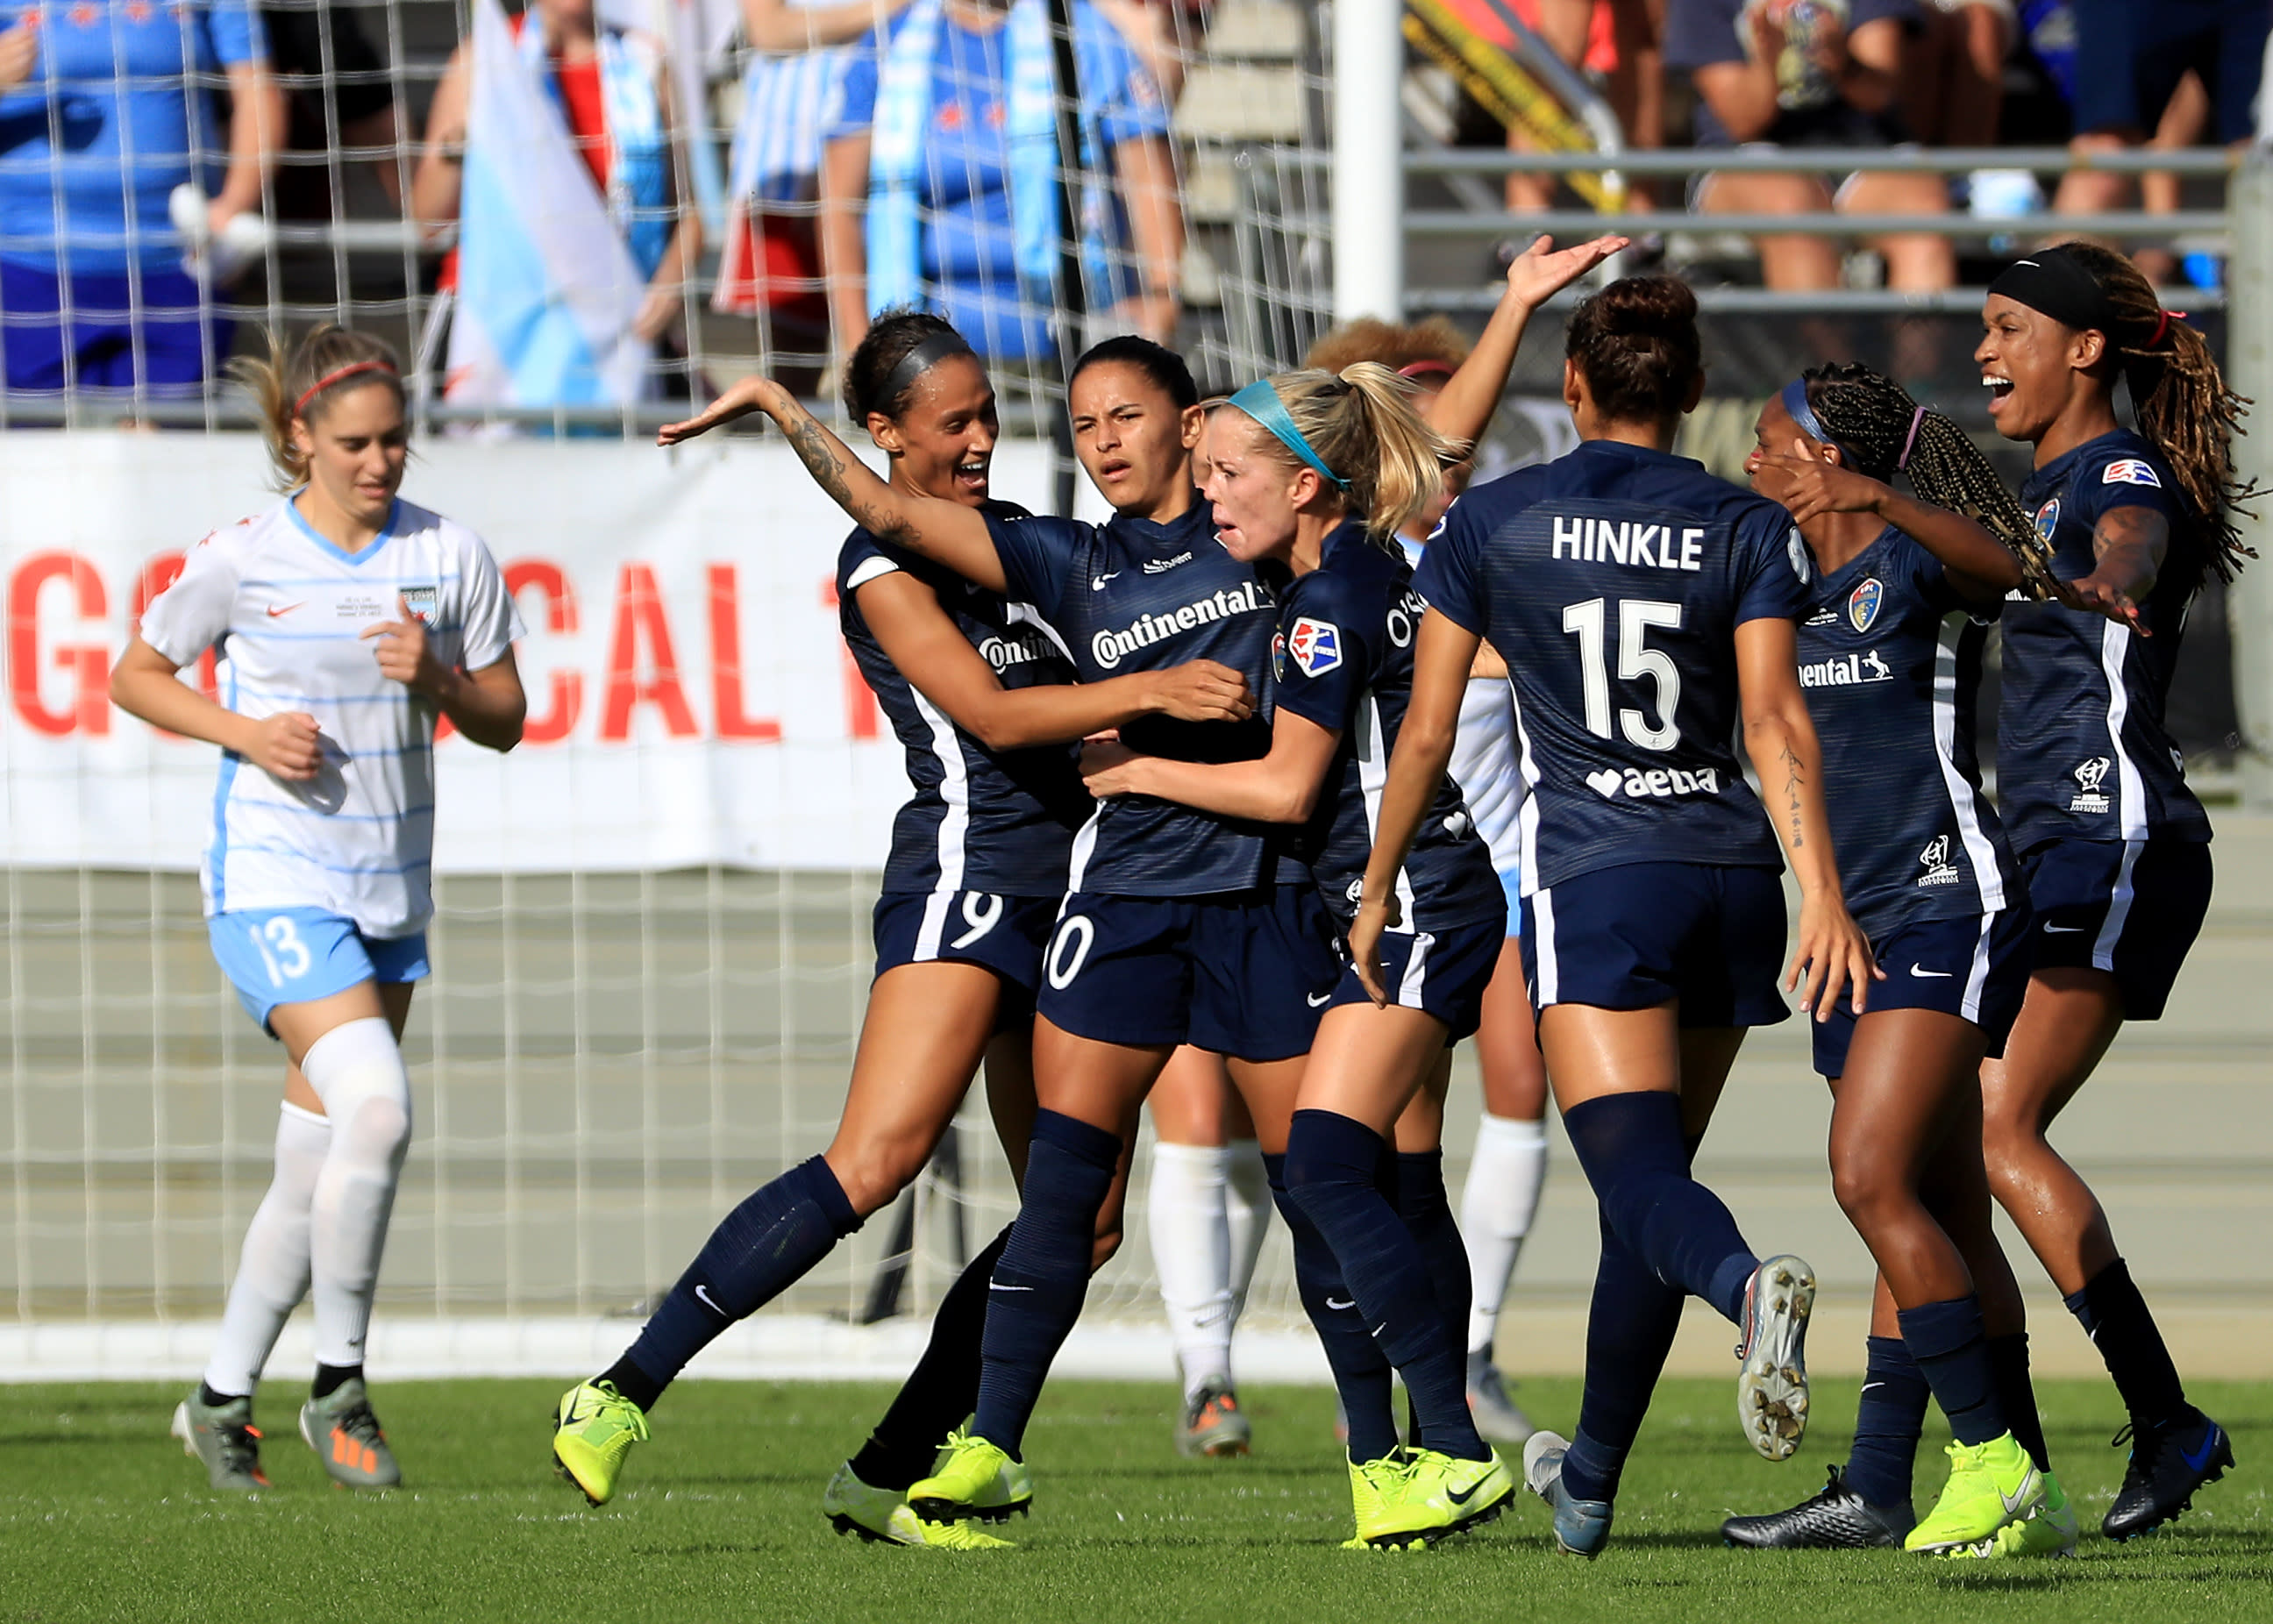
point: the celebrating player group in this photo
(1243, 778)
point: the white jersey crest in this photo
(286, 610)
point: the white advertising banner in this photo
(690, 700)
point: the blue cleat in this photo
(1582, 1527)
(2168, 1464)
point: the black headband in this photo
(2055, 283)
(913, 365)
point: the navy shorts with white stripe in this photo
(1976, 968)
(1643, 934)
(2131, 907)
(1441, 973)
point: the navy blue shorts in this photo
(2130, 907)
(1245, 974)
(1975, 968)
(1647, 934)
(159, 345)
(1005, 934)
(1441, 973)
(2132, 54)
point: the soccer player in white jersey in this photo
(348, 622)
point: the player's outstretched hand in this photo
(1105, 767)
(404, 654)
(1374, 919)
(287, 746)
(1542, 269)
(1203, 691)
(1832, 955)
(2095, 596)
(754, 393)
(1809, 487)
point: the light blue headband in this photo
(1795, 402)
(1260, 401)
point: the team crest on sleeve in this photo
(1863, 604)
(423, 602)
(1796, 550)
(1315, 645)
(2130, 471)
(2048, 519)
(1278, 657)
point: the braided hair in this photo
(1883, 431)
(2183, 402)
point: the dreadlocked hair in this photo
(1362, 423)
(1870, 416)
(2183, 403)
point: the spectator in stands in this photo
(2131, 65)
(613, 93)
(798, 52)
(336, 95)
(1953, 72)
(105, 113)
(1800, 73)
(1618, 40)
(949, 128)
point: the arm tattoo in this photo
(817, 449)
(1794, 780)
(2133, 541)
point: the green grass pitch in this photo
(103, 1518)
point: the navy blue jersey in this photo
(1343, 658)
(1614, 578)
(2081, 751)
(1891, 661)
(1132, 596)
(1001, 821)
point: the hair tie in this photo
(300, 406)
(2162, 320)
(1260, 401)
(1427, 368)
(1909, 439)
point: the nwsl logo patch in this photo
(1863, 604)
(2130, 471)
(1315, 645)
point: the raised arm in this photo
(933, 654)
(946, 533)
(1780, 737)
(1464, 409)
(1281, 787)
(1443, 656)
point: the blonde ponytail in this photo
(297, 387)
(1362, 423)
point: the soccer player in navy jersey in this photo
(978, 861)
(2114, 848)
(1178, 925)
(1649, 602)
(1907, 589)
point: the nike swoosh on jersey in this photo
(1330, 1303)
(1097, 582)
(1924, 973)
(275, 609)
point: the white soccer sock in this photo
(1246, 1215)
(356, 1070)
(272, 1266)
(1496, 1206)
(1191, 1255)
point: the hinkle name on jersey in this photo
(1108, 647)
(1659, 785)
(1845, 670)
(1940, 870)
(1647, 546)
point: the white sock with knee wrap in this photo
(1497, 1207)
(272, 1266)
(1246, 1215)
(1191, 1255)
(356, 1070)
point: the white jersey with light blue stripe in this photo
(287, 610)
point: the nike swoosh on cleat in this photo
(702, 1295)
(2209, 1449)
(1932, 974)
(1461, 1497)
(2014, 1502)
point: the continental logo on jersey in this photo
(1940, 870)
(1024, 649)
(2090, 797)
(1846, 671)
(2048, 519)
(1316, 645)
(1663, 783)
(1863, 604)
(424, 602)
(1109, 648)
(2130, 471)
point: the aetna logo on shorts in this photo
(1002, 653)
(1661, 783)
(1109, 648)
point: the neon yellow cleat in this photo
(1378, 1491)
(876, 1514)
(1991, 1485)
(594, 1431)
(2051, 1533)
(968, 1481)
(1012, 1493)
(1455, 1495)
(962, 1536)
